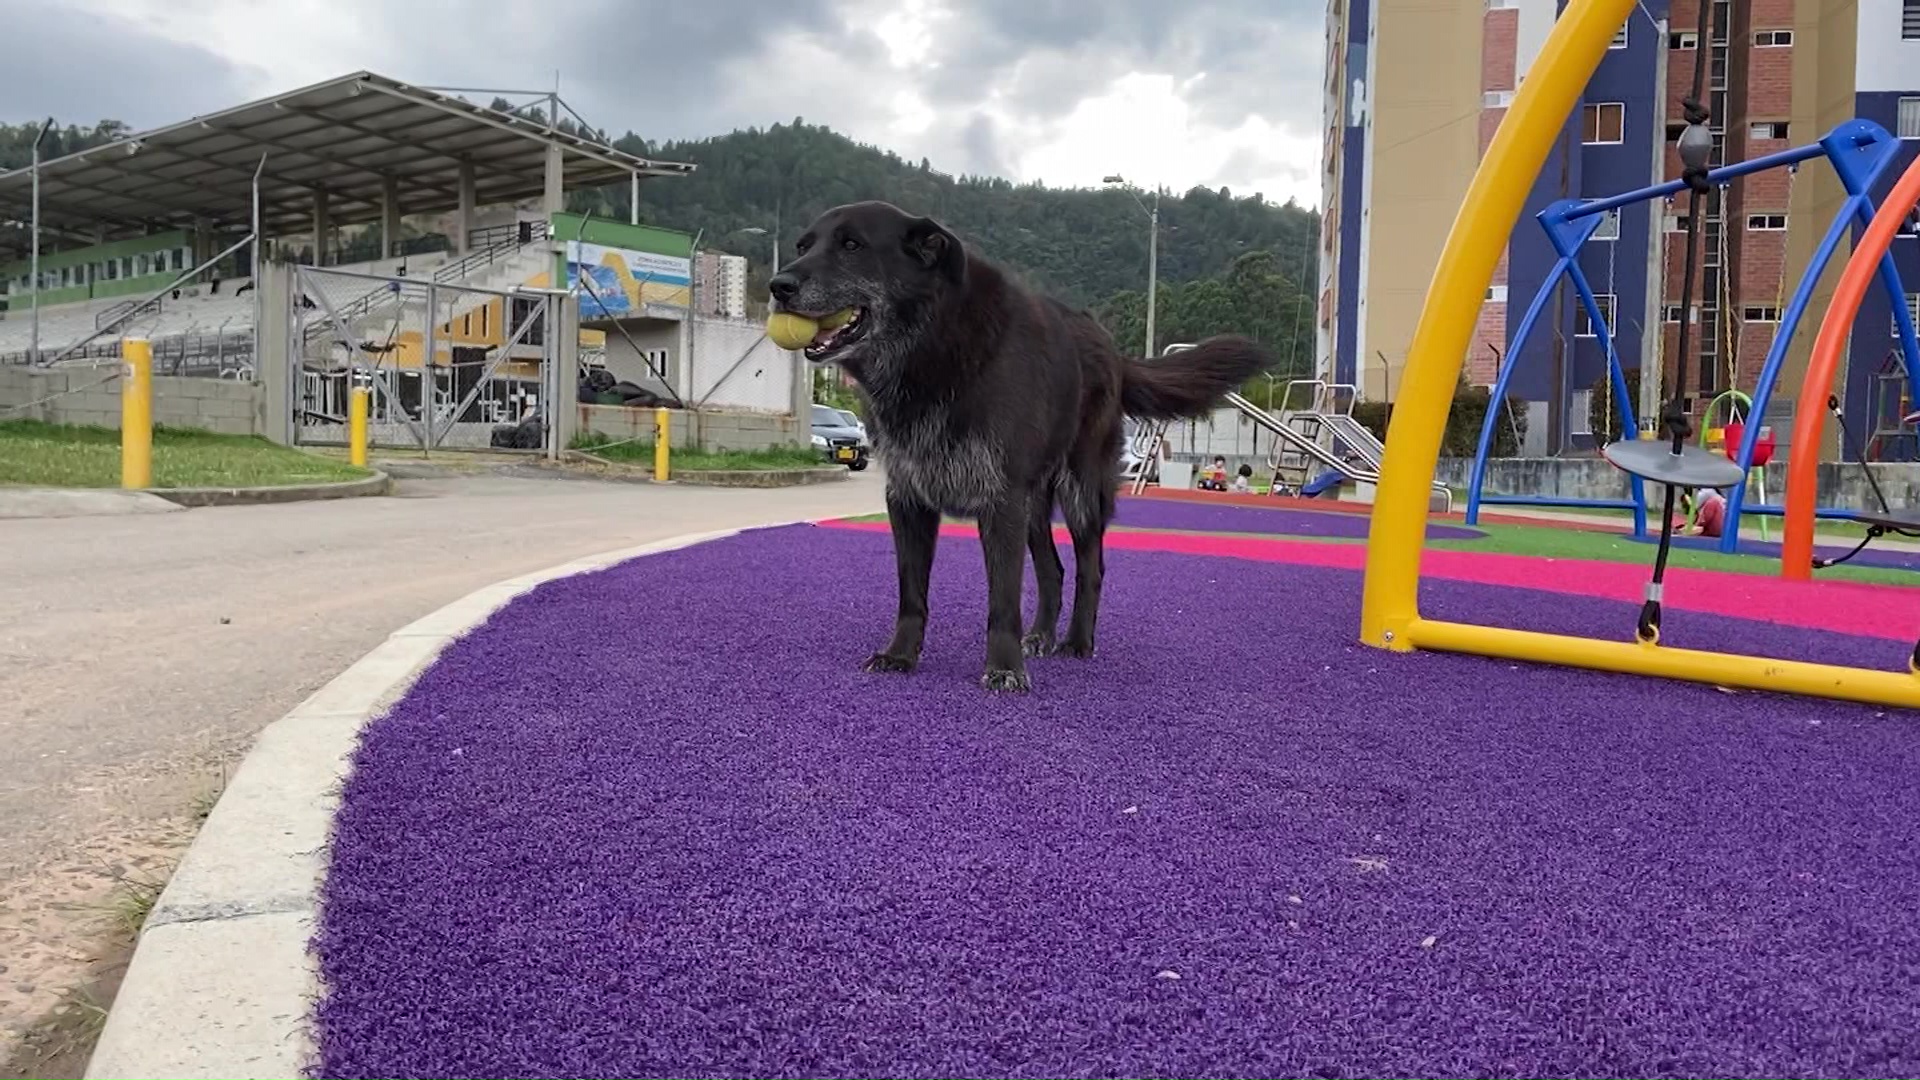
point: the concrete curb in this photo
(25, 503)
(221, 983)
(377, 484)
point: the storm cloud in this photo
(1222, 94)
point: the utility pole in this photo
(1153, 252)
(1153, 266)
(33, 284)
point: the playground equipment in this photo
(1796, 550)
(1322, 433)
(1390, 611)
(1859, 152)
(1728, 438)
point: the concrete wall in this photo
(1842, 484)
(1422, 149)
(734, 364)
(708, 430)
(219, 405)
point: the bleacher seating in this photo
(199, 311)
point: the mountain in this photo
(1227, 263)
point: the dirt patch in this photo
(67, 932)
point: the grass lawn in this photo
(641, 453)
(56, 455)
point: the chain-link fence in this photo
(449, 366)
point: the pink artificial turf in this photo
(1842, 606)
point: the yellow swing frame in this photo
(1389, 608)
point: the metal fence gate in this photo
(449, 366)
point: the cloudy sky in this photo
(1225, 92)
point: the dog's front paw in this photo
(1079, 650)
(1003, 679)
(888, 664)
(1037, 644)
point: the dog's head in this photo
(889, 268)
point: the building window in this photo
(1677, 223)
(1609, 227)
(1497, 294)
(1671, 313)
(1603, 123)
(1583, 324)
(1907, 121)
(1913, 312)
(1768, 313)
(1772, 39)
(1686, 39)
(1496, 99)
(1620, 36)
(1766, 222)
(1767, 129)
(1502, 5)
(1909, 20)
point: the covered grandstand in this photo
(152, 233)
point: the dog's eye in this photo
(850, 244)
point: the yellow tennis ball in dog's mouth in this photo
(790, 331)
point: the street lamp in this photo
(773, 240)
(1153, 250)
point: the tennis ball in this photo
(790, 331)
(838, 319)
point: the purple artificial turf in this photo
(654, 822)
(1150, 513)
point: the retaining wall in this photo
(226, 406)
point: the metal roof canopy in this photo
(346, 137)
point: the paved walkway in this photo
(140, 654)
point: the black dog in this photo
(987, 401)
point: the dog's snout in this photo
(783, 286)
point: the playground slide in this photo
(1355, 434)
(1317, 452)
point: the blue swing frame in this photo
(1859, 151)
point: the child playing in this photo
(1215, 476)
(1712, 514)
(1243, 480)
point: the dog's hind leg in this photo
(1048, 575)
(1088, 507)
(916, 529)
(1003, 530)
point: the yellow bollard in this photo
(136, 414)
(662, 445)
(358, 402)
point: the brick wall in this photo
(224, 406)
(1499, 48)
(1499, 59)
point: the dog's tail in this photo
(1189, 383)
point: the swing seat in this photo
(1656, 461)
(1763, 446)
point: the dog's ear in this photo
(937, 248)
